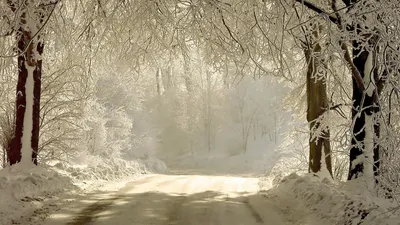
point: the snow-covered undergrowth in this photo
(348, 203)
(29, 194)
(109, 169)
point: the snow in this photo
(324, 173)
(368, 153)
(26, 151)
(335, 203)
(29, 194)
(218, 128)
(368, 81)
(99, 171)
(184, 199)
(23, 191)
(367, 157)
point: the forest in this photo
(294, 101)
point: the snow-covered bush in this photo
(98, 168)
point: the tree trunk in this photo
(188, 74)
(364, 152)
(37, 79)
(317, 104)
(24, 145)
(158, 81)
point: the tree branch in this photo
(318, 10)
(353, 69)
(12, 4)
(229, 30)
(36, 34)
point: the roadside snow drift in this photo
(23, 190)
(348, 203)
(29, 194)
(110, 169)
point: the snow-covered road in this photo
(183, 200)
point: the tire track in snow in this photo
(253, 212)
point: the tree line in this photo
(341, 54)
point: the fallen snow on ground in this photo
(348, 203)
(185, 200)
(23, 191)
(99, 170)
(28, 195)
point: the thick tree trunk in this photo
(25, 142)
(16, 145)
(317, 104)
(364, 152)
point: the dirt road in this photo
(178, 200)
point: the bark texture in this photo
(30, 50)
(317, 104)
(362, 104)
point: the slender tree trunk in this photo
(158, 81)
(166, 77)
(37, 78)
(226, 74)
(188, 74)
(189, 98)
(377, 159)
(317, 104)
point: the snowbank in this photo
(99, 170)
(348, 203)
(23, 190)
(107, 170)
(28, 194)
